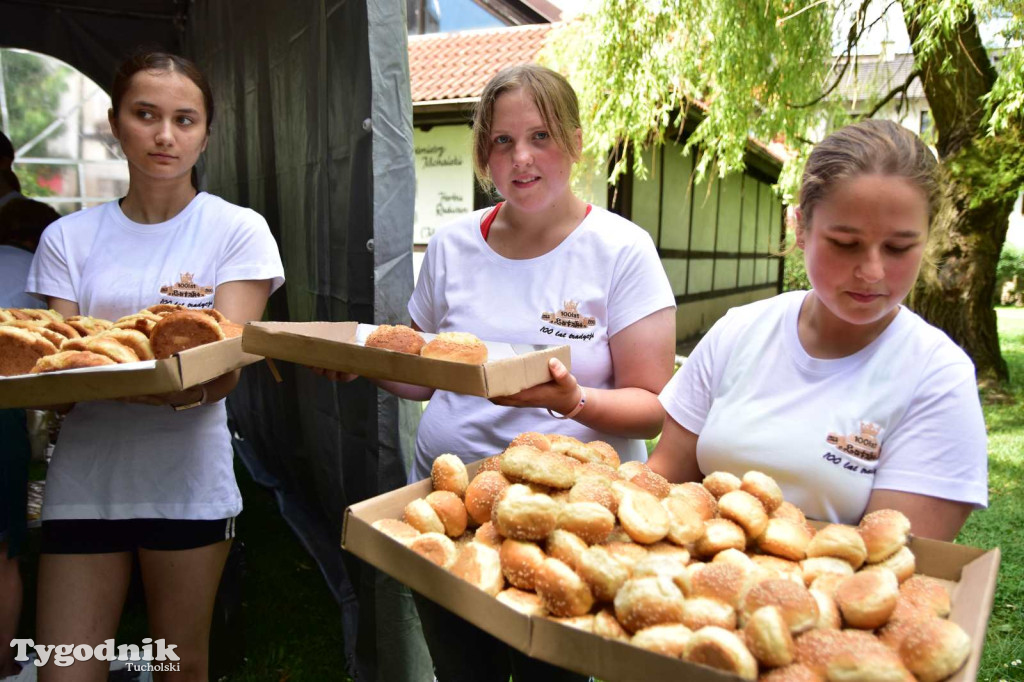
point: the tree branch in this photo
(916, 73)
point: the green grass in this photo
(1001, 525)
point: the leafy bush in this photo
(794, 274)
(1011, 264)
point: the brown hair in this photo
(554, 97)
(868, 147)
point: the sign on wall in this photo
(444, 178)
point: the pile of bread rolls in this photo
(36, 341)
(452, 346)
(725, 573)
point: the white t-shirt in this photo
(14, 265)
(603, 277)
(116, 460)
(900, 414)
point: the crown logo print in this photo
(186, 278)
(570, 306)
(869, 429)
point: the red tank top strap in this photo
(485, 224)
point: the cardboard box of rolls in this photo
(611, 571)
(451, 361)
(48, 360)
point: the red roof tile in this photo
(447, 66)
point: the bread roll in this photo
(527, 603)
(456, 347)
(593, 488)
(646, 601)
(522, 514)
(563, 592)
(722, 649)
(784, 538)
(719, 535)
(480, 566)
(451, 510)
(399, 338)
(820, 565)
(449, 473)
(533, 439)
(866, 599)
(764, 488)
(574, 448)
(399, 530)
(608, 626)
(768, 637)
(20, 349)
(435, 547)
(841, 542)
(703, 502)
(608, 454)
(927, 593)
(526, 463)
(602, 572)
(667, 640)
(565, 546)
(520, 561)
(481, 494)
(588, 520)
(719, 483)
(700, 612)
(793, 600)
(902, 563)
(746, 510)
(643, 517)
(183, 330)
(884, 531)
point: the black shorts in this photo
(101, 536)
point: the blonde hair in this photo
(868, 147)
(554, 97)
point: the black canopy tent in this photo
(313, 129)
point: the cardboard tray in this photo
(151, 377)
(334, 345)
(972, 574)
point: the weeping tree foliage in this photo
(771, 68)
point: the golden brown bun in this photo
(602, 572)
(527, 463)
(643, 517)
(231, 330)
(449, 473)
(817, 566)
(817, 648)
(436, 548)
(132, 338)
(902, 563)
(792, 673)
(527, 603)
(480, 566)
(828, 583)
(533, 439)
(784, 538)
(685, 525)
(183, 330)
(719, 535)
(866, 599)
(744, 509)
(798, 607)
(214, 313)
(884, 532)
(20, 349)
(895, 631)
(482, 493)
(841, 542)
(398, 338)
(764, 488)
(112, 348)
(86, 326)
(589, 520)
(594, 488)
(450, 509)
(488, 535)
(574, 448)
(642, 476)
(873, 664)
(770, 566)
(421, 515)
(399, 530)
(72, 359)
(490, 464)
(61, 328)
(36, 327)
(456, 347)
(143, 322)
(564, 593)
(667, 640)
(162, 309)
(663, 565)
(608, 626)
(768, 637)
(584, 622)
(667, 549)
(608, 454)
(649, 600)
(697, 496)
(627, 552)
(726, 582)
(701, 612)
(927, 593)
(565, 546)
(520, 561)
(719, 483)
(523, 514)
(829, 617)
(721, 649)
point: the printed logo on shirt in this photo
(186, 288)
(570, 317)
(863, 445)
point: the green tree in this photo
(33, 88)
(768, 68)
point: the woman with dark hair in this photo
(153, 476)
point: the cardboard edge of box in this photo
(185, 369)
(330, 345)
(974, 570)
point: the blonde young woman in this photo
(150, 478)
(850, 400)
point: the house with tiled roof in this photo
(718, 238)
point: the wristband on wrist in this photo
(576, 410)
